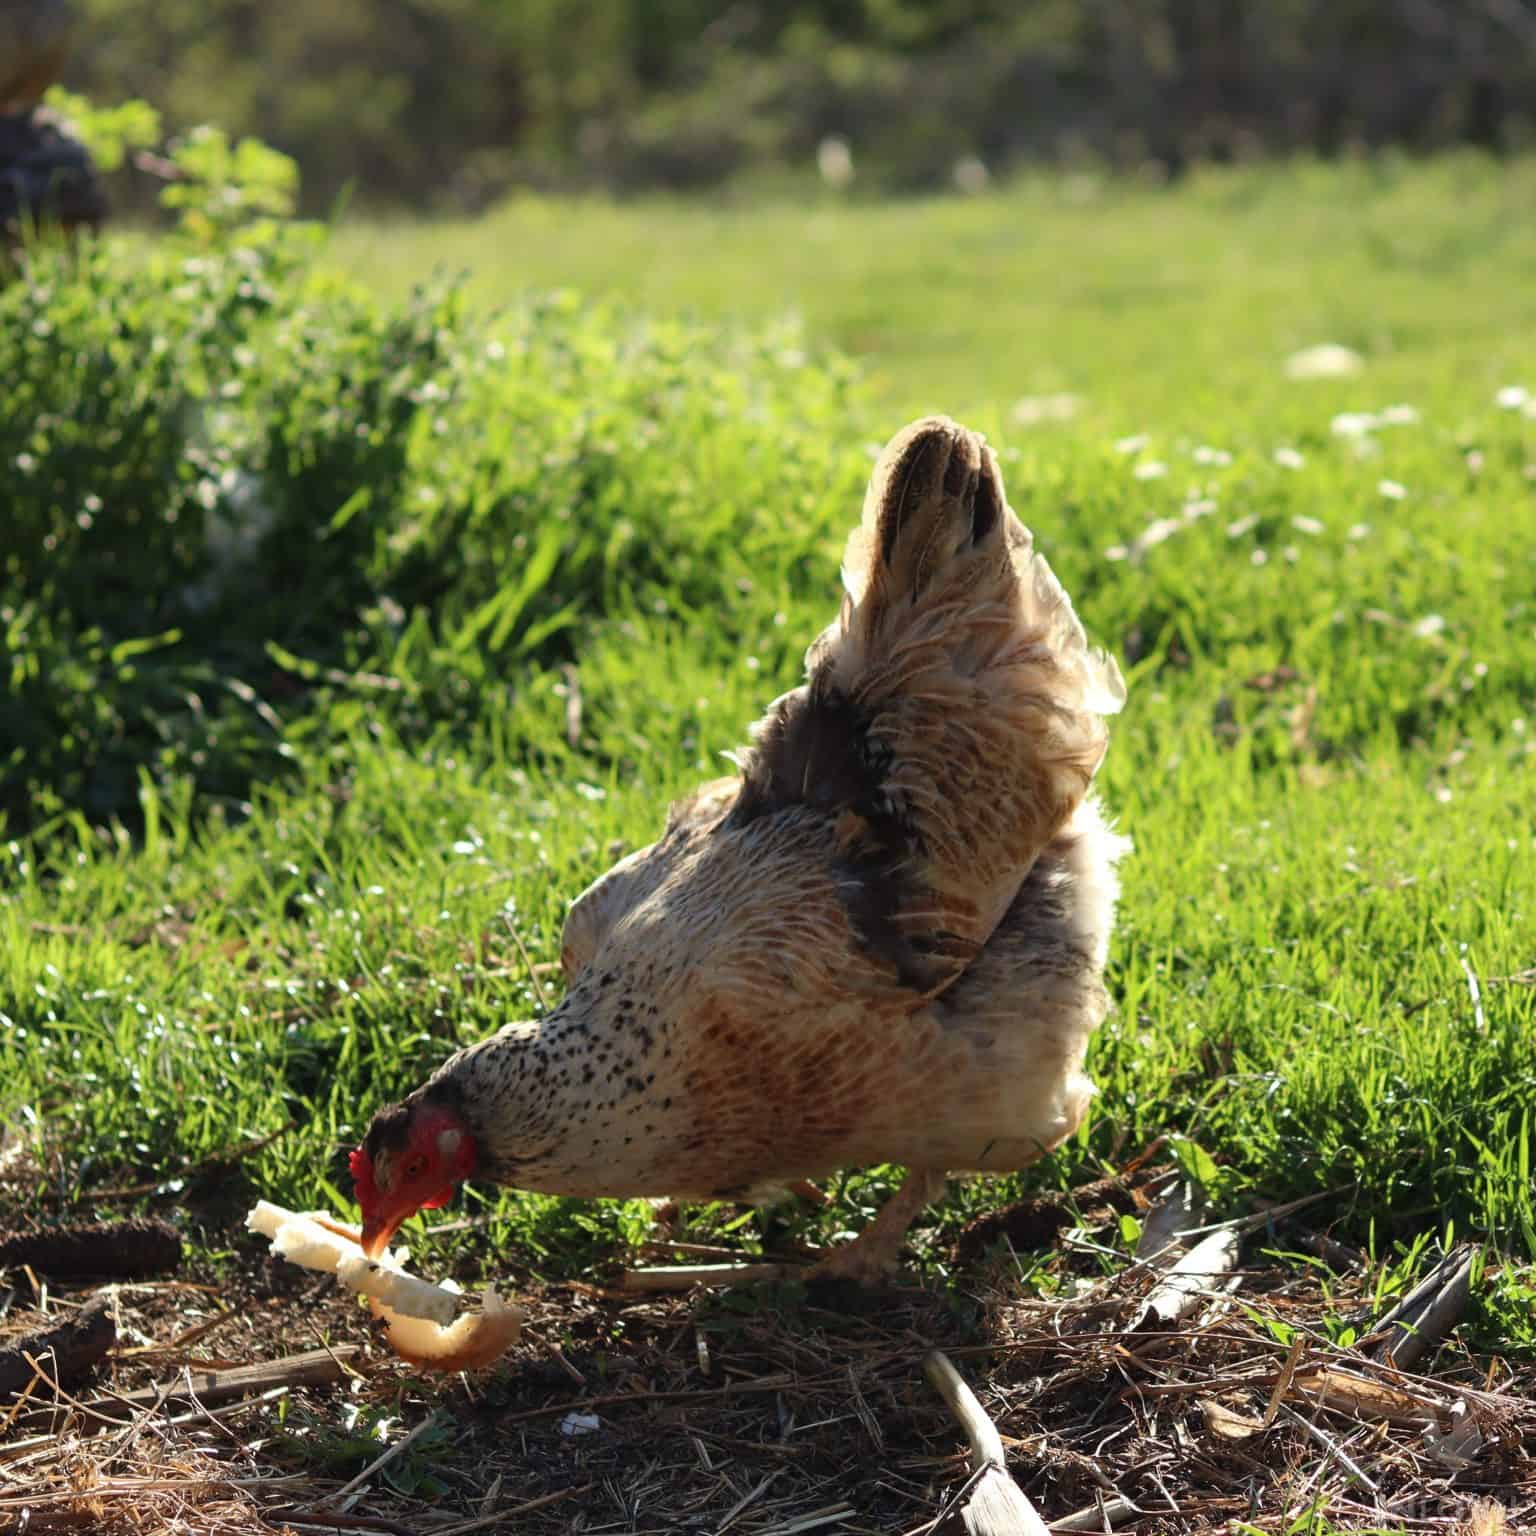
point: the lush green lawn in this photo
(1164, 312)
(1326, 761)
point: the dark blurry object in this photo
(143, 1246)
(34, 42)
(46, 177)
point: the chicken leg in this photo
(876, 1249)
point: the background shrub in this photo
(453, 101)
(237, 485)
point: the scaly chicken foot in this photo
(876, 1249)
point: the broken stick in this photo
(67, 1348)
(995, 1505)
(1428, 1312)
(683, 1277)
(314, 1368)
(1189, 1280)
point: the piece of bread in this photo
(426, 1327)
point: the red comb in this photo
(361, 1168)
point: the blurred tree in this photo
(452, 101)
(34, 41)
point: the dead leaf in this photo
(1226, 1424)
(1485, 1518)
(1369, 1399)
(1459, 1446)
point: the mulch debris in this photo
(766, 1411)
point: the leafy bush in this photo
(237, 485)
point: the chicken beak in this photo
(377, 1231)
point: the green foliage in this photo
(452, 102)
(224, 185)
(241, 488)
(109, 133)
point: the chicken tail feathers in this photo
(953, 713)
(954, 625)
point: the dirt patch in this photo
(1030, 1225)
(768, 1411)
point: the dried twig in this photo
(1189, 1279)
(1336, 1451)
(522, 949)
(1287, 1376)
(1097, 1517)
(388, 1455)
(684, 1277)
(316, 1367)
(1429, 1311)
(996, 1505)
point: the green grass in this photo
(1162, 310)
(1326, 761)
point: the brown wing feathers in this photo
(949, 723)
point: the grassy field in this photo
(1322, 591)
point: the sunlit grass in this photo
(1157, 308)
(1323, 590)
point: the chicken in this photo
(882, 941)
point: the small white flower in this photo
(1358, 531)
(1400, 416)
(1327, 361)
(1235, 530)
(1037, 408)
(1354, 423)
(1288, 458)
(1429, 626)
(1306, 525)
(1132, 444)
(1205, 455)
(1259, 557)
(1511, 397)
(1156, 532)
(1392, 490)
(1151, 470)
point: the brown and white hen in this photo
(882, 942)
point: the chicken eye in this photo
(415, 1168)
